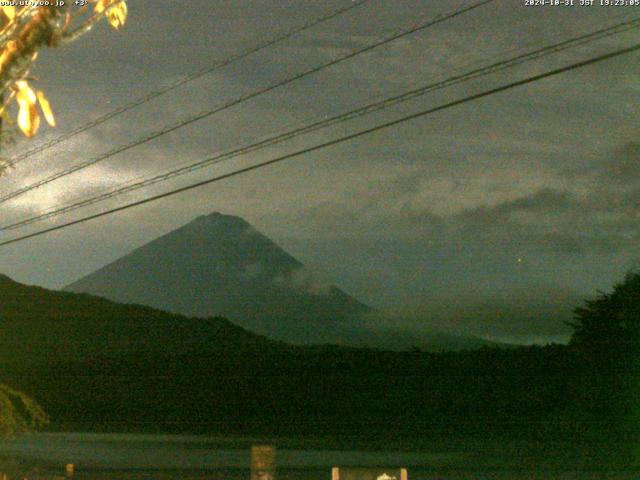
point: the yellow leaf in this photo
(117, 14)
(46, 109)
(9, 50)
(28, 116)
(29, 120)
(115, 11)
(24, 92)
(101, 5)
(9, 12)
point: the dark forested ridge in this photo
(39, 324)
(97, 365)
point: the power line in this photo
(330, 143)
(359, 112)
(189, 78)
(242, 99)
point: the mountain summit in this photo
(219, 265)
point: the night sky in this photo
(493, 218)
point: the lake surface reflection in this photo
(186, 452)
(141, 457)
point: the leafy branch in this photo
(24, 31)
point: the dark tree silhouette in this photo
(607, 341)
(611, 321)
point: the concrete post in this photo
(263, 462)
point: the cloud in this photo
(540, 314)
(304, 280)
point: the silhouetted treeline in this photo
(130, 368)
(328, 391)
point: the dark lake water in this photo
(140, 457)
(187, 452)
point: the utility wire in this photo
(242, 99)
(352, 114)
(189, 78)
(336, 141)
